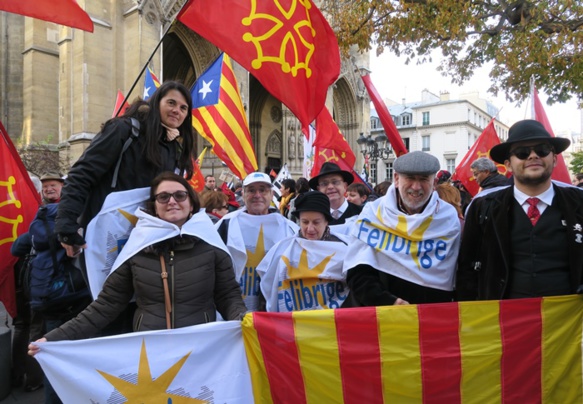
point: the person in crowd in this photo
(486, 174)
(239, 194)
(451, 195)
(357, 193)
(407, 241)
(210, 184)
(302, 186)
(198, 281)
(28, 325)
(524, 240)
(165, 142)
(52, 185)
(443, 177)
(304, 272)
(215, 204)
(381, 188)
(251, 232)
(579, 180)
(288, 192)
(333, 182)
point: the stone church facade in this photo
(58, 85)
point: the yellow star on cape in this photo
(149, 390)
(254, 258)
(309, 276)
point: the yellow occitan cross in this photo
(10, 201)
(291, 39)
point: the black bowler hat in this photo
(331, 168)
(312, 201)
(523, 131)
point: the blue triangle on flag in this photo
(206, 89)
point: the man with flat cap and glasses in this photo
(524, 240)
(407, 241)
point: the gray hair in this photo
(484, 164)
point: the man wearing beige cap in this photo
(406, 243)
(249, 234)
(52, 184)
(524, 240)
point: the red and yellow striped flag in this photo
(218, 115)
(523, 350)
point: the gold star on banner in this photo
(149, 390)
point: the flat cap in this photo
(416, 163)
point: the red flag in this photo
(218, 115)
(273, 173)
(64, 12)
(118, 110)
(331, 146)
(385, 117)
(481, 148)
(560, 173)
(197, 179)
(290, 47)
(18, 206)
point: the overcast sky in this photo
(396, 80)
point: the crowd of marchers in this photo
(328, 243)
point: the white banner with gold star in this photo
(299, 274)
(420, 248)
(249, 238)
(200, 364)
(109, 231)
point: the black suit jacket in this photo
(352, 210)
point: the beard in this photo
(534, 180)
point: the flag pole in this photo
(148, 61)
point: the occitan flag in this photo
(197, 179)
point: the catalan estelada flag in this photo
(287, 45)
(511, 351)
(19, 203)
(151, 83)
(218, 115)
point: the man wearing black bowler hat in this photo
(524, 240)
(333, 182)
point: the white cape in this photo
(420, 248)
(299, 274)
(249, 238)
(151, 229)
(109, 231)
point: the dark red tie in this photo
(533, 213)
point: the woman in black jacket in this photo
(163, 141)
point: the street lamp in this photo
(375, 149)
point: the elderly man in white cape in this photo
(407, 241)
(304, 272)
(251, 232)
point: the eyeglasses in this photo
(324, 184)
(522, 153)
(164, 197)
(225, 207)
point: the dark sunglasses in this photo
(164, 197)
(522, 153)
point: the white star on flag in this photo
(146, 92)
(206, 88)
